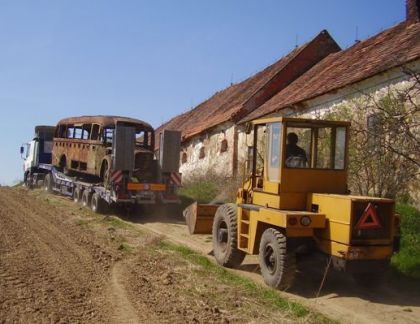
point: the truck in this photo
(295, 199)
(104, 160)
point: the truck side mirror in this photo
(22, 150)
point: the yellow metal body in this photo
(309, 202)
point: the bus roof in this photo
(106, 121)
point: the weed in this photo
(265, 294)
(407, 261)
(116, 222)
(82, 222)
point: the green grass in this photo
(265, 294)
(116, 222)
(202, 192)
(407, 261)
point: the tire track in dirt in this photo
(45, 273)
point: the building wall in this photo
(233, 162)
(214, 161)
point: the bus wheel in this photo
(278, 266)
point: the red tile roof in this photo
(391, 48)
(238, 100)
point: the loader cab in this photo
(294, 157)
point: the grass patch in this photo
(202, 192)
(407, 261)
(82, 223)
(126, 248)
(265, 294)
(116, 222)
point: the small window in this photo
(70, 131)
(94, 135)
(223, 146)
(86, 131)
(340, 148)
(108, 136)
(202, 154)
(78, 133)
(274, 131)
(184, 158)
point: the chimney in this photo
(412, 11)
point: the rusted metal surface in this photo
(93, 156)
(106, 121)
(199, 218)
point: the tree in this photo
(384, 143)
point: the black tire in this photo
(48, 182)
(278, 266)
(98, 205)
(225, 237)
(77, 195)
(86, 198)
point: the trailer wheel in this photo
(77, 195)
(86, 198)
(48, 181)
(98, 204)
(278, 266)
(225, 239)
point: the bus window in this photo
(94, 135)
(86, 131)
(70, 131)
(108, 136)
(78, 132)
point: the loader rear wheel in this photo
(86, 198)
(278, 266)
(77, 195)
(225, 239)
(48, 183)
(97, 204)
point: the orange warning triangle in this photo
(369, 219)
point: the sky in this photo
(150, 60)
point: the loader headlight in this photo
(305, 220)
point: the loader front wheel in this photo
(225, 237)
(278, 265)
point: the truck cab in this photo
(37, 151)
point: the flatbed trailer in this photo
(121, 188)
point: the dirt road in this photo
(397, 300)
(59, 263)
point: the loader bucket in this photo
(199, 218)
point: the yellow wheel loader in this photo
(295, 196)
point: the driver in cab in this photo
(295, 155)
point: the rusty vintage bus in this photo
(84, 145)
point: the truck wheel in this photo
(86, 198)
(97, 204)
(225, 239)
(77, 195)
(278, 266)
(48, 181)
